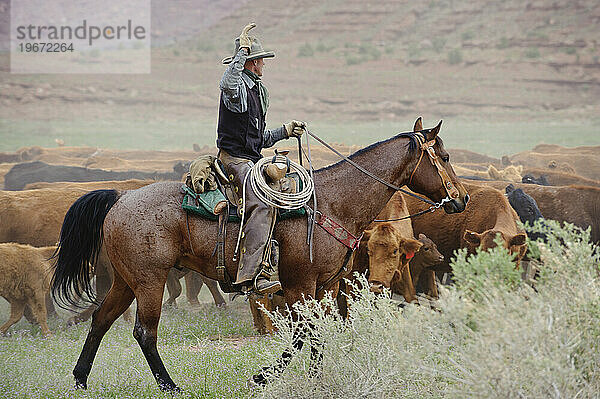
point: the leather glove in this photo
(245, 41)
(295, 128)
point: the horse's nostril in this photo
(467, 198)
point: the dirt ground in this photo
(478, 63)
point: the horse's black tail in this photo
(80, 241)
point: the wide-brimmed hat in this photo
(256, 51)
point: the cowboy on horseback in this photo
(241, 135)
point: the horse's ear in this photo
(418, 124)
(434, 132)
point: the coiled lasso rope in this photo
(276, 198)
(272, 197)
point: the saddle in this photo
(210, 204)
(220, 205)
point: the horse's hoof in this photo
(169, 387)
(257, 381)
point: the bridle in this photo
(425, 146)
(451, 190)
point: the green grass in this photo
(193, 343)
(491, 138)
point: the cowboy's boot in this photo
(259, 221)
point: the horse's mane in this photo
(413, 144)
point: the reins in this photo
(371, 175)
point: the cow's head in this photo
(516, 244)
(388, 253)
(428, 255)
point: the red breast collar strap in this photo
(338, 232)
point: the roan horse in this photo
(145, 234)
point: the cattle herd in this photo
(408, 256)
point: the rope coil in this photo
(272, 197)
(276, 198)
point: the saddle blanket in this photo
(205, 203)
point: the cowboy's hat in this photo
(256, 51)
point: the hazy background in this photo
(503, 75)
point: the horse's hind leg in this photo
(146, 324)
(116, 302)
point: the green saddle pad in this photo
(203, 205)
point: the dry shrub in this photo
(492, 336)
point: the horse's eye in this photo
(446, 158)
(425, 249)
(395, 252)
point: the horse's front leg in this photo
(292, 295)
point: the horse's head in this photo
(433, 174)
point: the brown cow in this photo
(466, 156)
(25, 276)
(585, 164)
(579, 205)
(510, 173)
(422, 267)
(386, 249)
(487, 215)
(35, 217)
(389, 254)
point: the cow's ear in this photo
(418, 124)
(434, 132)
(410, 245)
(472, 238)
(519, 239)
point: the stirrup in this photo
(262, 284)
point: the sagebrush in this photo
(490, 335)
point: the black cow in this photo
(530, 179)
(526, 208)
(32, 172)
